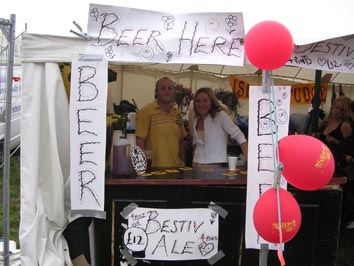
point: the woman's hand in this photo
(331, 139)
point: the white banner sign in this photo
(264, 124)
(88, 97)
(133, 35)
(172, 234)
(332, 55)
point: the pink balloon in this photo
(269, 45)
(265, 216)
(308, 162)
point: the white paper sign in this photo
(332, 55)
(173, 234)
(88, 97)
(263, 125)
(133, 35)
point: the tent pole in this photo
(263, 255)
(10, 35)
(264, 247)
(316, 102)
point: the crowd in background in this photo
(336, 130)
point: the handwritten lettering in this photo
(185, 248)
(135, 239)
(85, 185)
(181, 234)
(168, 226)
(338, 49)
(86, 136)
(334, 54)
(301, 60)
(80, 114)
(87, 90)
(331, 64)
(168, 38)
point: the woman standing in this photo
(211, 128)
(336, 130)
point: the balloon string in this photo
(272, 111)
(281, 257)
(280, 252)
(277, 166)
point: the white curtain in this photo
(44, 166)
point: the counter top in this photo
(189, 176)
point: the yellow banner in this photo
(240, 87)
(301, 93)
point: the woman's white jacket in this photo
(216, 131)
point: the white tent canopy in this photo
(48, 48)
(58, 49)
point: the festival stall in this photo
(50, 199)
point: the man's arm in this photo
(140, 142)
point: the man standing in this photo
(160, 127)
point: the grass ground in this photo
(14, 199)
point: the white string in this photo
(277, 166)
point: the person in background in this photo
(297, 123)
(309, 119)
(159, 127)
(348, 187)
(335, 131)
(211, 128)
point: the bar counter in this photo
(189, 176)
(315, 244)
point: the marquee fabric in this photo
(44, 166)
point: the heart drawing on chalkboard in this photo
(206, 248)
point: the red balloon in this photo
(269, 45)
(265, 216)
(308, 162)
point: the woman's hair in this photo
(352, 106)
(345, 101)
(215, 103)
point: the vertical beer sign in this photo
(88, 97)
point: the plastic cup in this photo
(232, 162)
